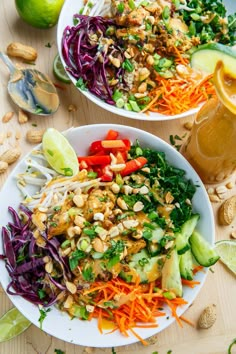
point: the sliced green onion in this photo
(131, 4)
(128, 66)
(117, 95)
(134, 106)
(120, 103)
(166, 13)
(120, 7)
(65, 244)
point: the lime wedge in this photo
(59, 71)
(59, 153)
(226, 249)
(206, 56)
(12, 324)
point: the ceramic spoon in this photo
(31, 90)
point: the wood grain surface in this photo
(220, 286)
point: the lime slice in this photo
(59, 153)
(59, 71)
(226, 249)
(12, 324)
(207, 55)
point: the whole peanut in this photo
(16, 49)
(3, 166)
(11, 155)
(34, 136)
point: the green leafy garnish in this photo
(43, 315)
(75, 257)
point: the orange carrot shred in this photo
(187, 321)
(190, 283)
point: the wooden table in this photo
(220, 286)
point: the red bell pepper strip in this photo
(111, 135)
(95, 159)
(133, 165)
(99, 145)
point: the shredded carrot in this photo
(187, 321)
(132, 305)
(190, 283)
(139, 337)
(59, 86)
(198, 268)
(181, 92)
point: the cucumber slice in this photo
(171, 279)
(186, 265)
(202, 250)
(186, 231)
(207, 55)
(146, 267)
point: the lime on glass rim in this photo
(59, 71)
(12, 323)
(59, 153)
(226, 249)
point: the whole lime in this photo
(39, 13)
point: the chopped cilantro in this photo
(43, 315)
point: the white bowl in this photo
(71, 7)
(86, 333)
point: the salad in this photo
(116, 241)
(136, 54)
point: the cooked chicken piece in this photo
(60, 221)
(59, 224)
(98, 201)
(128, 17)
(137, 17)
(132, 246)
(131, 34)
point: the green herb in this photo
(117, 247)
(80, 84)
(34, 125)
(48, 45)
(41, 294)
(57, 208)
(75, 257)
(169, 352)
(113, 351)
(230, 347)
(88, 274)
(90, 232)
(53, 224)
(58, 351)
(113, 261)
(43, 315)
(120, 7)
(39, 109)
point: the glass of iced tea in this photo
(211, 145)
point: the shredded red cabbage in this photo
(25, 262)
(88, 60)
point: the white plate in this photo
(58, 324)
(71, 7)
